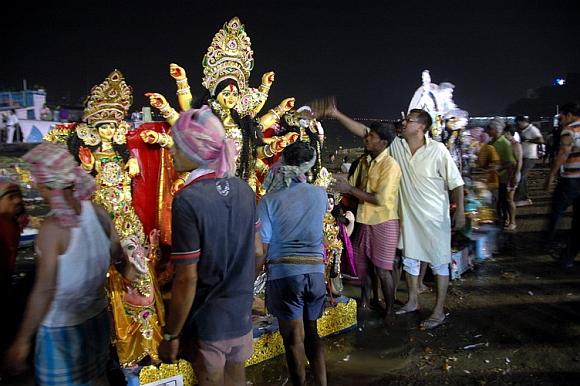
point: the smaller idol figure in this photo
(338, 226)
(99, 143)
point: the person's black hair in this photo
(339, 214)
(571, 108)
(314, 142)
(423, 117)
(398, 124)
(385, 130)
(511, 129)
(522, 118)
(251, 133)
(297, 153)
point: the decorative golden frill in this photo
(334, 320)
(228, 56)
(337, 319)
(137, 326)
(250, 100)
(60, 133)
(266, 347)
(324, 178)
(153, 373)
(331, 232)
(109, 101)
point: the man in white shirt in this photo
(11, 125)
(530, 138)
(428, 174)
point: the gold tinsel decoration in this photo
(153, 373)
(333, 321)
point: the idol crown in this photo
(108, 101)
(229, 56)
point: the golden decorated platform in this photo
(340, 318)
(267, 341)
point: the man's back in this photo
(292, 224)
(215, 220)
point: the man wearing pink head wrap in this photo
(54, 167)
(200, 136)
(212, 292)
(67, 308)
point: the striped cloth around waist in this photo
(297, 260)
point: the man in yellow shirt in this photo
(377, 214)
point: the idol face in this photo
(228, 97)
(107, 131)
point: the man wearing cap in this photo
(213, 250)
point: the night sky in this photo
(370, 55)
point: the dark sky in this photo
(369, 54)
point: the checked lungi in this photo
(73, 355)
(377, 243)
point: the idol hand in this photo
(291, 137)
(87, 158)
(177, 72)
(149, 136)
(132, 167)
(268, 78)
(287, 104)
(156, 100)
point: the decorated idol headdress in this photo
(228, 56)
(108, 102)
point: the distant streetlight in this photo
(559, 81)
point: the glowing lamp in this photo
(559, 82)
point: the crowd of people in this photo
(159, 237)
(401, 187)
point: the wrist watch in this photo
(168, 337)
